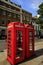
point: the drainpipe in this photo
(21, 15)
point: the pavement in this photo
(2, 45)
(37, 59)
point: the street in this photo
(37, 59)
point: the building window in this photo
(3, 12)
(8, 21)
(0, 3)
(27, 18)
(9, 14)
(3, 23)
(8, 6)
(17, 16)
(14, 15)
(23, 17)
(0, 23)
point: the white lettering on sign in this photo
(30, 28)
(19, 26)
(10, 26)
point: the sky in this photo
(29, 5)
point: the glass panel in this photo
(31, 44)
(19, 44)
(9, 43)
(30, 35)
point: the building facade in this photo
(26, 16)
(9, 12)
(36, 26)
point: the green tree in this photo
(40, 12)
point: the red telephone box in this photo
(29, 40)
(15, 42)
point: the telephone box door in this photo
(31, 42)
(20, 43)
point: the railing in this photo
(9, 9)
(9, 3)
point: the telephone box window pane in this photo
(30, 41)
(30, 34)
(31, 45)
(9, 43)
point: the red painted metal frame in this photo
(13, 26)
(28, 29)
(25, 29)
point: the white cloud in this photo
(34, 6)
(36, 3)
